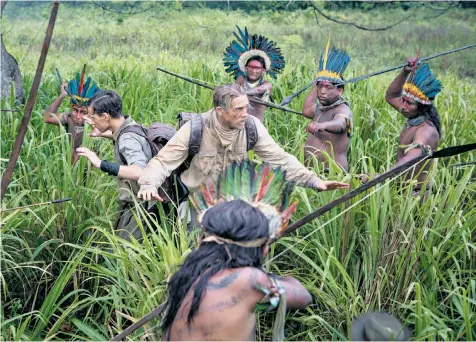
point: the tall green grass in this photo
(65, 275)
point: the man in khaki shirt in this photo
(223, 142)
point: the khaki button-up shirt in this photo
(213, 158)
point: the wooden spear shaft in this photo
(7, 175)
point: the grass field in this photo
(64, 275)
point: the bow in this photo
(61, 200)
(445, 152)
(251, 98)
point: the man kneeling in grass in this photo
(221, 284)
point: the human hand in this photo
(149, 194)
(329, 185)
(63, 92)
(315, 127)
(412, 64)
(86, 152)
(95, 133)
(364, 177)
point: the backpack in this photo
(157, 135)
(196, 133)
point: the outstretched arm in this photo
(271, 152)
(51, 116)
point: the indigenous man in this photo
(329, 130)
(412, 94)
(219, 287)
(224, 140)
(80, 92)
(131, 154)
(249, 59)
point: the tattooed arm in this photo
(297, 297)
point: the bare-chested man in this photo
(216, 292)
(80, 93)
(249, 59)
(412, 96)
(331, 116)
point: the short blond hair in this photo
(225, 94)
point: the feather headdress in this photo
(421, 85)
(81, 91)
(260, 185)
(332, 64)
(246, 46)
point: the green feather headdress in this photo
(258, 184)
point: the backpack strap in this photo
(196, 133)
(251, 133)
(136, 129)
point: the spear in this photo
(8, 173)
(251, 98)
(289, 98)
(61, 200)
(445, 152)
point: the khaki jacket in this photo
(214, 157)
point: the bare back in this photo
(226, 311)
(423, 135)
(334, 144)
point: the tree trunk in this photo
(10, 72)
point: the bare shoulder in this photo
(240, 80)
(255, 277)
(426, 134)
(343, 109)
(267, 84)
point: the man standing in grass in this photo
(331, 116)
(412, 93)
(221, 285)
(131, 154)
(73, 121)
(226, 131)
(249, 59)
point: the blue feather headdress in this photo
(422, 86)
(332, 64)
(246, 46)
(81, 91)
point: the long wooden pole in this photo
(7, 175)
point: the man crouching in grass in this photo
(221, 284)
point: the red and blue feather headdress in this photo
(421, 85)
(79, 90)
(246, 46)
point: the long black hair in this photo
(431, 111)
(234, 220)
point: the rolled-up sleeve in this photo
(169, 158)
(272, 153)
(131, 149)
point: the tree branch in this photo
(130, 12)
(354, 24)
